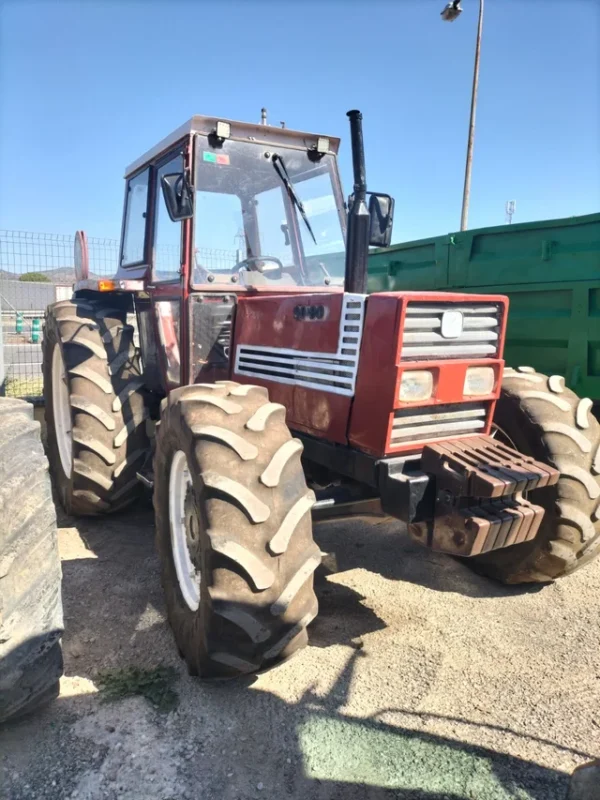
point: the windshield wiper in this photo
(280, 169)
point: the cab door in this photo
(167, 287)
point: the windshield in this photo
(267, 216)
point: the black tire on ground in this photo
(543, 419)
(31, 620)
(252, 537)
(107, 402)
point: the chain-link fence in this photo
(36, 269)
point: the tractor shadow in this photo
(112, 596)
(231, 741)
(386, 549)
(113, 602)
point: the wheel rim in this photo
(61, 407)
(181, 520)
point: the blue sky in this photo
(87, 87)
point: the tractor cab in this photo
(230, 205)
(222, 210)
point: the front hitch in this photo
(479, 504)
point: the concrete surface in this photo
(423, 681)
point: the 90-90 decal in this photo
(310, 313)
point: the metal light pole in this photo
(449, 14)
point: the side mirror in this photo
(178, 196)
(381, 213)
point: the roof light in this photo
(322, 144)
(223, 130)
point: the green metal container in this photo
(550, 270)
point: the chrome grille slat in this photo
(424, 418)
(466, 336)
(435, 323)
(438, 308)
(422, 323)
(435, 422)
(480, 322)
(423, 339)
(437, 431)
(443, 351)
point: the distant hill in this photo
(58, 275)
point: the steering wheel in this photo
(251, 264)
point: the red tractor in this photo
(236, 365)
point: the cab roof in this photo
(245, 131)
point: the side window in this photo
(135, 219)
(167, 234)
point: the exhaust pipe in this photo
(357, 245)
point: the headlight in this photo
(416, 385)
(479, 381)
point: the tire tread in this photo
(256, 601)
(31, 618)
(565, 435)
(108, 404)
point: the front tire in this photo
(541, 418)
(233, 528)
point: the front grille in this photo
(423, 339)
(330, 372)
(437, 422)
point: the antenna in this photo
(510, 208)
(263, 116)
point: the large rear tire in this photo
(95, 404)
(234, 531)
(31, 621)
(539, 417)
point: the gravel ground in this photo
(422, 681)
